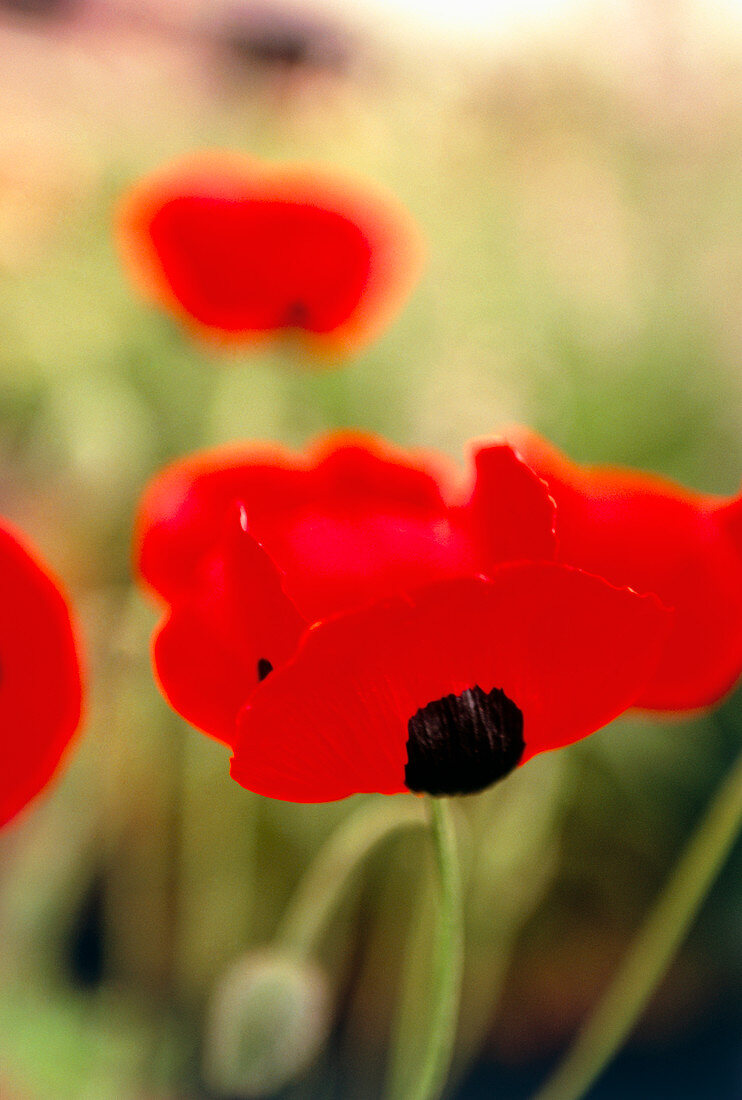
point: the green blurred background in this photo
(580, 188)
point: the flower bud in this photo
(268, 1019)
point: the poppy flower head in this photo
(40, 690)
(353, 618)
(652, 534)
(239, 250)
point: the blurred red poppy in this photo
(644, 531)
(40, 691)
(359, 619)
(239, 250)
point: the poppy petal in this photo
(362, 522)
(568, 649)
(182, 514)
(237, 249)
(220, 640)
(512, 513)
(647, 532)
(349, 521)
(349, 507)
(40, 690)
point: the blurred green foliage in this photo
(584, 275)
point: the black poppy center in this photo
(461, 744)
(264, 668)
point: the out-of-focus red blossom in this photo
(647, 532)
(355, 618)
(239, 250)
(40, 690)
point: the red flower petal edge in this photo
(249, 545)
(238, 249)
(647, 532)
(40, 690)
(224, 636)
(570, 651)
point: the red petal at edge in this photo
(644, 531)
(40, 688)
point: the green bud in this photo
(268, 1020)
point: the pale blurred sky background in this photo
(485, 21)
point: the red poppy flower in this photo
(238, 249)
(644, 531)
(357, 619)
(40, 693)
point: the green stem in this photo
(321, 892)
(323, 887)
(448, 961)
(654, 947)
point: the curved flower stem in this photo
(448, 960)
(654, 946)
(323, 887)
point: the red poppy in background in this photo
(238, 249)
(359, 619)
(40, 691)
(644, 531)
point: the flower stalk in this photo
(324, 886)
(448, 959)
